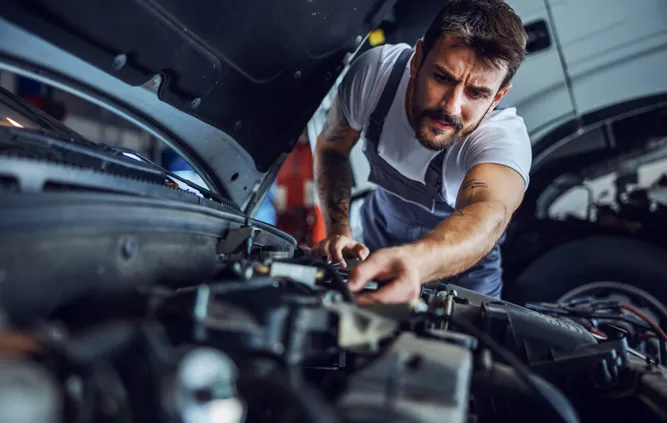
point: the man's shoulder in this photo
(502, 138)
(364, 82)
(388, 54)
(505, 124)
(378, 61)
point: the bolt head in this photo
(119, 62)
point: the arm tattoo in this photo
(333, 170)
(472, 185)
(334, 182)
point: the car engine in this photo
(264, 334)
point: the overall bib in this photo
(402, 210)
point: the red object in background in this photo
(56, 110)
(296, 210)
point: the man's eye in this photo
(442, 78)
(476, 94)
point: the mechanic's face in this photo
(451, 91)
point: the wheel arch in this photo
(596, 257)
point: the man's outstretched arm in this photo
(488, 197)
(333, 174)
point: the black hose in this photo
(309, 403)
(545, 396)
(505, 379)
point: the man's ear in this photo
(500, 94)
(416, 59)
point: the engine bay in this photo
(273, 337)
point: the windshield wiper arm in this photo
(206, 192)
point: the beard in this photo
(435, 139)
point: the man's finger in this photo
(361, 251)
(337, 248)
(323, 249)
(399, 291)
(356, 250)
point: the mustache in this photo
(444, 118)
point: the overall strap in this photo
(433, 177)
(376, 120)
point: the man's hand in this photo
(337, 247)
(396, 266)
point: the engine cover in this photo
(416, 380)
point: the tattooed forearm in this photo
(333, 170)
(334, 180)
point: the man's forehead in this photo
(458, 59)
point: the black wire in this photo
(565, 414)
(620, 319)
(637, 323)
(563, 311)
(336, 280)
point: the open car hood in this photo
(229, 84)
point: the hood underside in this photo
(255, 70)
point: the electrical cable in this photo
(336, 280)
(552, 399)
(632, 292)
(620, 319)
(657, 329)
(640, 320)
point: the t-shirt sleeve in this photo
(506, 143)
(356, 87)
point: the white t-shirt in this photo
(501, 138)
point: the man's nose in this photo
(452, 101)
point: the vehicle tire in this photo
(593, 259)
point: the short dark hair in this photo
(490, 27)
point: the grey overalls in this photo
(388, 220)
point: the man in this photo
(451, 168)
